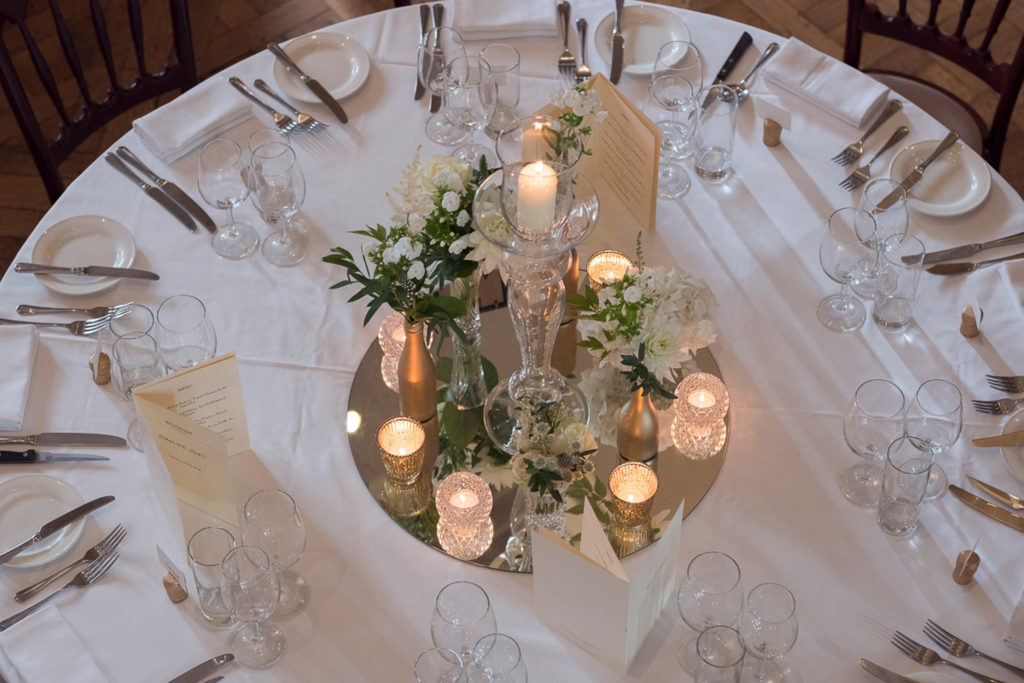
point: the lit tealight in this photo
(606, 267)
(698, 430)
(464, 527)
(633, 485)
(401, 448)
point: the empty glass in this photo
(670, 104)
(848, 254)
(138, 319)
(504, 62)
(497, 659)
(206, 550)
(278, 190)
(899, 273)
(183, 332)
(680, 58)
(462, 615)
(874, 420)
(769, 628)
(222, 185)
(440, 45)
(250, 590)
(935, 417)
(137, 362)
(892, 221)
(904, 482)
(711, 595)
(720, 652)
(716, 128)
(469, 100)
(271, 522)
(438, 665)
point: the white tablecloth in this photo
(775, 507)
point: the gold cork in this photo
(101, 371)
(174, 589)
(968, 323)
(772, 132)
(967, 562)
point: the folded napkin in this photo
(1015, 629)
(17, 353)
(827, 83)
(493, 19)
(44, 647)
(185, 123)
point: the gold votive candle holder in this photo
(401, 440)
(633, 485)
(403, 501)
(464, 526)
(607, 266)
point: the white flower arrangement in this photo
(552, 451)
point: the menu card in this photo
(589, 598)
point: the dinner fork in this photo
(78, 327)
(958, 647)
(863, 174)
(583, 72)
(303, 120)
(1003, 406)
(94, 312)
(854, 150)
(566, 62)
(88, 576)
(1011, 384)
(923, 655)
(112, 540)
(284, 123)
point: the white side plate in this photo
(338, 62)
(1014, 455)
(29, 502)
(953, 184)
(83, 241)
(646, 28)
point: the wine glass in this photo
(498, 659)
(278, 190)
(438, 665)
(848, 254)
(875, 419)
(137, 360)
(440, 45)
(890, 222)
(184, 334)
(462, 615)
(470, 97)
(271, 522)
(935, 417)
(710, 595)
(222, 186)
(768, 625)
(721, 652)
(681, 58)
(671, 105)
(249, 589)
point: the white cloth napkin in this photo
(1015, 628)
(183, 124)
(17, 354)
(827, 83)
(43, 647)
(492, 19)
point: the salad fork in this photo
(77, 327)
(303, 120)
(566, 61)
(111, 541)
(863, 174)
(854, 150)
(1003, 406)
(94, 312)
(583, 71)
(88, 576)
(923, 655)
(284, 123)
(958, 647)
(1011, 384)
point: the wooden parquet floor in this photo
(225, 31)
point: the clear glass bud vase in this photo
(467, 386)
(531, 510)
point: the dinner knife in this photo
(882, 673)
(970, 249)
(1008, 439)
(424, 30)
(618, 44)
(56, 525)
(997, 513)
(63, 439)
(438, 10)
(960, 267)
(105, 271)
(161, 199)
(32, 455)
(311, 83)
(200, 672)
(734, 57)
(917, 173)
(999, 494)
(175, 192)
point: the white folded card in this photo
(490, 19)
(17, 354)
(1015, 629)
(44, 647)
(203, 113)
(827, 83)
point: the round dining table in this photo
(775, 507)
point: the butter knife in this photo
(915, 175)
(104, 271)
(175, 192)
(311, 83)
(161, 199)
(63, 439)
(999, 494)
(424, 30)
(882, 673)
(1007, 439)
(960, 267)
(34, 456)
(988, 509)
(971, 249)
(438, 10)
(618, 44)
(56, 525)
(200, 672)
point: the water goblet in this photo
(278, 190)
(440, 45)
(769, 627)
(222, 186)
(874, 420)
(497, 659)
(671, 105)
(137, 360)
(890, 222)
(848, 254)
(184, 333)
(681, 58)
(271, 522)
(462, 616)
(470, 97)
(935, 417)
(438, 665)
(711, 595)
(250, 590)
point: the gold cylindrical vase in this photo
(637, 437)
(417, 379)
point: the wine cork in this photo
(967, 562)
(772, 132)
(101, 369)
(174, 589)
(969, 324)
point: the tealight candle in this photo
(535, 206)
(401, 448)
(606, 267)
(698, 429)
(464, 499)
(464, 527)
(633, 485)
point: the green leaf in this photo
(443, 370)
(460, 426)
(575, 510)
(491, 377)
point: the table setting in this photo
(377, 529)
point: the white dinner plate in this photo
(646, 29)
(29, 502)
(338, 62)
(1014, 455)
(934, 677)
(83, 241)
(953, 184)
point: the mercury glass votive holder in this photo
(401, 440)
(607, 266)
(464, 527)
(698, 430)
(633, 485)
(402, 501)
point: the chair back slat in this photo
(135, 19)
(67, 44)
(99, 27)
(993, 25)
(965, 14)
(44, 73)
(933, 13)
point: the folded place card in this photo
(17, 355)
(492, 19)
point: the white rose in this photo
(417, 271)
(450, 201)
(632, 294)
(389, 255)
(462, 219)
(458, 245)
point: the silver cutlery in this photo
(566, 61)
(971, 249)
(285, 124)
(1003, 406)
(88, 576)
(56, 524)
(424, 30)
(94, 312)
(90, 271)
(961, 267)
(33, 456)
(175, 192)
(1001, 515)
(958, 647)
(854, 150)
(154, 193)
(76, 327)
(738, 50)
(305, 121)
(915, 175)
(863, 174)
(923, 655)
(311, 83)
(583, 71)
(742, 89)
(618, 44)
(201, 671)
(111, 541)
(62, 439)
(438, 14)
(1011, 384)
(881, 673)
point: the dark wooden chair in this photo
(179, 73)
(987, 138)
